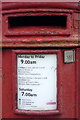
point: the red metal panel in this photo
(78, 84)
(67, 89)
(39, 30)
(44, 4)
(0, 83)
(68, 73)
(63, 37)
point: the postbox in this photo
(40, 60)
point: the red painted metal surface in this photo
(67, 89)
(0, 84)
(78, 84)
(14, 5)
(40, 36)
(38, 30)
(68, 73)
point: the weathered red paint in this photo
(13, 5)
(56, 34)
(40, 30)
(14, 42)
(66, 90)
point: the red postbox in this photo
(40, 60)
